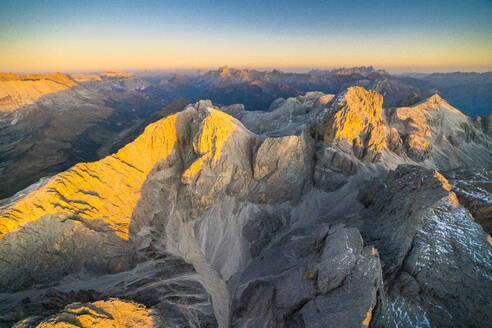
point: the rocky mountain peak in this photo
(84, 189)
(17, 90)
(433, 129)
(208, 224)
(436, 102)
(355, 123)
(224, 71)
(215, 129)
(435, 98)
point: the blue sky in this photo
(93, 35)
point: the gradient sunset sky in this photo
(68, 36)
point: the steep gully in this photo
(260, 219)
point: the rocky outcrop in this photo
(413, 125)
(278, 163)
(207, 223)
(436, 259)
(355, 124)
(64, 123)
(106, 190)
(18, 90)
(474, 191)
(312, 277)
(436, 132)
(285, 116)
(110, 313)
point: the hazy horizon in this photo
(197, 70)
(419, 36)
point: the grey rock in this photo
(269, 228)
(436, 259)
(326, 277)
(474, 191)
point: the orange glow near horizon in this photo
(99, 58)
(95, 36)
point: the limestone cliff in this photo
(435, 132)
(18, 90)
(108, 189)
(356, 123)
(316, 220)
(53, 122)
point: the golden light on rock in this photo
(216, 129)
(107, 189)
(358, 123)
(112, 313)
(443, 180)
(85, 77)
(368, 318)
(18, 90)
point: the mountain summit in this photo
(216, 216)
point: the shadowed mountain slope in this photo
(18, 90)
(74, 122)
(258, 89)
(334, 215)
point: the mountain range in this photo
(258, 89)
(50, 122)
(365, 207)
(471, 92)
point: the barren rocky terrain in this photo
(58, 121)
(51, 122)
(327, 210)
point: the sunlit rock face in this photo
(110, 80)
(217, 217)
(435, 132)
(51, 122)
(102, 314)
(432, 133)
(18, 90)
(108, 189)
(356, 123)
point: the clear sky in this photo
(67, 36)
